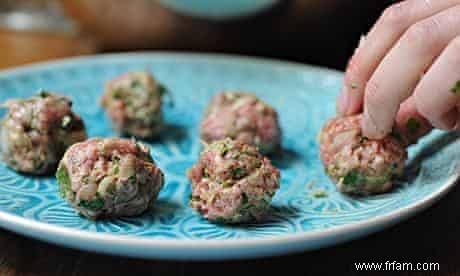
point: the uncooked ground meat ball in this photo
(232, 182)
(109, 177)
(241, 116)
(357, 164)
(133, 101)
(36, 132)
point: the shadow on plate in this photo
(284, 158)
(170, 132)
(45, 176)
(164, 206)
(413, 167)
(163, 210)
(276, 215)
(174, 133)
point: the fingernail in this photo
(361, 42)
(342, 102)
(368, 126)
(362, 39)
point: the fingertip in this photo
(355, 99)
(370, 129)
(350, 100)
(342, 102)
(353, 88)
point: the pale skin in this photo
(406, 71)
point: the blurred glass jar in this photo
(34, 15)
(35, 30)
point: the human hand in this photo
(407, 70)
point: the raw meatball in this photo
(232, 182)
(133, 101)
(241, 116)
(109, 177)
(357, 164)
(36, 132)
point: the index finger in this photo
(394, 21)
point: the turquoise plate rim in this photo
(207, 249)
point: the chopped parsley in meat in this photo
(232, 182)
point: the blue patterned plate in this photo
(300, 219)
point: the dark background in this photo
(289, 31)
(321, 32)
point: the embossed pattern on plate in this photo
(304, 97)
